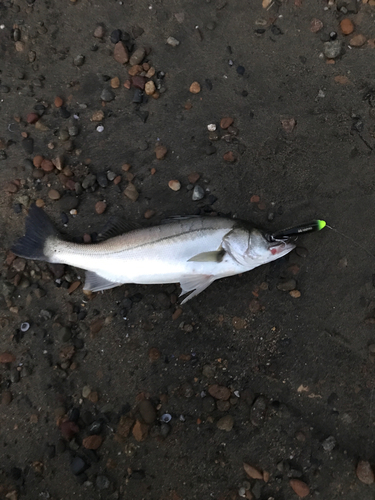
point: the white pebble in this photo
(173, 42)
(211, 127)
(99, 128)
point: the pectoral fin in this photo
(96, 283)
(194, 283)
(215, 256)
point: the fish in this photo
(193, 251)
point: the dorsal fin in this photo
(174, 218)
(115, 226)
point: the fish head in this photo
(252, 248)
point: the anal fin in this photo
(194, 283)
(96, 283)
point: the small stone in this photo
(364, 472)
(115, 36)
(32, 118)
(53, 194)
(150, 87)
(147, 411)
(102, 482)
(316, 25)
(28, 145)
(115, 82)
(332, 49)
(120, 53)
(160, 152)
(229, 157)
(223, 405)
(99, 32)
(78, 465)
(149, 213)
(124, 427)
(100, 207)
(154, 354)
(174, 185)
(7, 357)
(131, 192)
(287, 286)
(20, 46)
(288, 124)
(193, 177)
(135, 70)
(107, 95)
(219, 392)
(140, 431)
(137, 56)
(79, 60)
(69, 430)
(226, 122)
(198, 193)
(225, 423)
(139, 82)
(151, 72)
(357, 40)
(11, 188)
(58, 102)
(299, 487)
(173, 42)
(252, 471)
(102, 179)
(296, 294)
(92, 442)
(6, 398)
(346, 26)
(195, 88)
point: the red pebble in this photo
(69, 430)
(32, 118)
(139, 82)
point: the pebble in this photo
(69, 430)
(150, 87)
(88, 181)
(147, 411)
(78, 465)
(364, 472)
(229, 157)
(226, 122)
(28, 145)
(219, 392)
(198, 193)
(115, 36)
(99, 32)
(149, 213)
(32, 118)
(173, 42)
(154, 354)
(165, 429)
(73, 131)
(102, 482)
(225, 423)
(195, 88)
(223, 405)
(174, 185)
(100, 207)
(299, 487)
(6, 398)
(240, 69)
(296, 294)
(31, 56)
(287, 286)
(120, 52)
(131, 192)
(97, 116)
(11, 188)
(115, 82)
(79, 60)
(357, 41)
(92, 442)
(252, 471)
(316, 25)
(139, 82)
(53, 194)
(137, 56)
(107, 95)
(332, 49)
(346, 26)
(102, 179)
(140, 431)
(160, 152)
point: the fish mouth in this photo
(281, 245)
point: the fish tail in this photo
(38, 230)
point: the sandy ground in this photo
(295, 373)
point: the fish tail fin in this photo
(38, 229)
